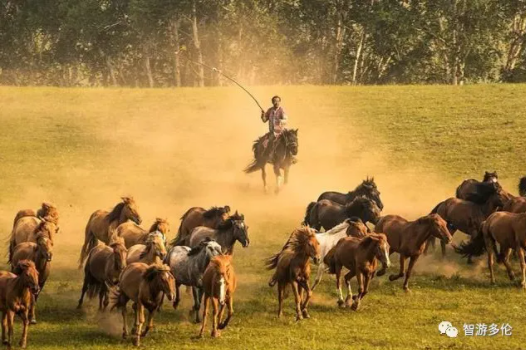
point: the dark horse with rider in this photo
(278, 147)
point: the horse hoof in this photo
(407, 290)
(216, 334)
(124, 335)
(33, 321)
(380, 273)
(299, 318)
(306, 314)
(393, 277)
(136, 341)
(355, 306)
(341, 303)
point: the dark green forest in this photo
(157, 43)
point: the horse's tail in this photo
(475, 247)
(487, 236)
(306, 221)
(256, 164)
(117, 299)
(330, 260)
(179, 239)
(90, 241)
(272, 262)
(522, 186)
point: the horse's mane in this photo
(227, 224)
(116, 212)
(297, 243)
(156, 224)
(360, 200)
(367, 184)
(22, 266)
(153, 271)
(195, 250)
(220, 262)
(214, 211)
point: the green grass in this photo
(173, 149)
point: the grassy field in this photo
(172, 149)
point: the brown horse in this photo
(146, 286)
(509, 231)
(134, 234)
(476, 191)
(328, 214)
(47, 211)
(515, 205)
(292, 266)
(103, 267)
(17, 291)
(102, 222)
(466, 216)
(41, 254)
(281, 157)
(153, 252)
(360, 256)
(219, 284)
(27, 229)
(198, 216)
(227, 233)
(408, 238)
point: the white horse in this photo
(328, 240)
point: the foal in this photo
(219, 283)
(17, 291)
(360, 256)
(293, 267)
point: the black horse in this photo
(367, 188)
(328, 214)
(477, 191)
(281, 157)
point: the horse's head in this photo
(120, 253)
(211, 248)
(291, 141)
(161, 276)
(367, 207)
(313, 247)
(356, 227)
(49, 211)
(161, 225)
(28, 273)
(381, 248)
(490, 177)
(47, 228)
(437, 227)
(240, 229)
(155, 241)
(368, 188)
(45, 245)
(130, 211)
(222, 266)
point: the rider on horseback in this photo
(277, 119)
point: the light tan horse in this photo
(101, 223)
(17, 291)
(103, 267)
(198, 216)
(134, 234)
(360, 256)
(153, 252)
(27, 229)
(409, 238)
(509, 231)
(292, 266)
(47, 211)
(219, 284)
(145, 286)
(41, 254)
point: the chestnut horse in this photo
(198, 216)
(146, 286)
(292, 266)
(17, 291)
(360, 256)
(219, 284)
(134, 234)
(102, 222)
(27, 229)
(408, 238)
(152, 252)
(47, 210)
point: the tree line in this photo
(163, 43)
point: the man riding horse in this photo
(277, 120)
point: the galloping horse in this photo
(477, 191)
(367, 188)
(101, 223)
(282, 158)
(198, 216)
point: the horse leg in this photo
(149, 324)
(198, 294)
(32, 312)
(520, 251)
(281, 288)
(215, 314)
(295, 290)
(338, 286)
(402, 268)
(412, 262)
(177, 297)
(319, 274)
(84, 290)
(4, 327)
(491, 249)
(25, 321)
(206, 302)
(230, 303)
(264, 177)
(308, 294)
(102, 292)
(356, 298)
(506, 261)
(430, 243)
(124, 321)
(139, 320)
(10, 321)
(347, 278)
(277, 172)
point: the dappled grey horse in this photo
(188, 266)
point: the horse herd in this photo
(123, 262)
